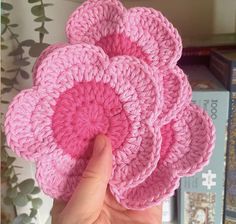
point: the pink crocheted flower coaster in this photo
(118, 76)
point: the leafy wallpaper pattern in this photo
(16, 54)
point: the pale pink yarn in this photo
(118, 76)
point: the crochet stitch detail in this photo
(117, 76)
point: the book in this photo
(200, 197)
(223, 66)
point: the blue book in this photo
(223, 66)
(201, 197)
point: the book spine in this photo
(230, 192)
(225, 71)
(220, 69)
(201, 196)
(204, 51)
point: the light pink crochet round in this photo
(118, 76)
(141, 32)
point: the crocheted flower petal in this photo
(148, 88)
(154, 34)
(137, 160)
(177, 94)
(140, 32)
(188, 141)
(43, 55)
(93, 20)
(160, 185)
(187, 144)
(58, 174)
(18, 124)
(72, 63)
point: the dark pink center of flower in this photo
(85, 111)
(120, 44)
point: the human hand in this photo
(92, 202)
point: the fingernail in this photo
(99, 145)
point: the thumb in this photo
(87, 200)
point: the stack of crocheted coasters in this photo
(117, 76)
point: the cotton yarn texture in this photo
(117, 75)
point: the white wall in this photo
(191, 17)
(225, 16)
(195, 17)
